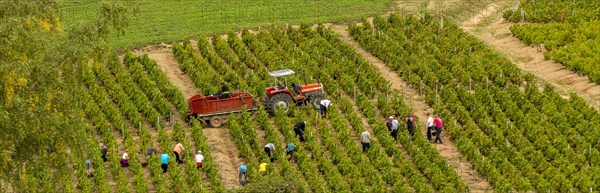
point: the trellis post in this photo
(354, 97)
(441, 25)
(171, 117)
(470, 84)
(421, 88)
(522, 15)
(436, 92)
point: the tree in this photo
(38, 76)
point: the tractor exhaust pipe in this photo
(304, 72)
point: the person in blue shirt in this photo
(290, 148)
(89, 167)
(243, 174)
(164, 160)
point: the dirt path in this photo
(224, 153)
(447, 150)
(489, 26)
(168, 64)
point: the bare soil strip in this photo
(448, 150)
(219, 140)
(224, 153)
(168, 64)
(489, 26)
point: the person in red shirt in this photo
(439, 125)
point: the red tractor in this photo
(279, 96)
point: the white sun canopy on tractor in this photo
(281, 73)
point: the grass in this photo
(459, 10)
(170, 20)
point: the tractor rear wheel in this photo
(315, 99)
(280, 101)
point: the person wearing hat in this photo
(388, 122)
(199, 158)
(324, 105)
(125, 161)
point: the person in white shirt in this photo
(365, 140)
(430, 126)
(199, 158)
(388, 122)
(270, 150)
(394, 128)
(324, 104)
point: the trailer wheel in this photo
(216, 121)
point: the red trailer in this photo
(215, 109)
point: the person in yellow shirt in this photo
(263, 169)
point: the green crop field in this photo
(78, 115)
(567, 30)
(164, 21)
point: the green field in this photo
(164, 21)
(567, 30)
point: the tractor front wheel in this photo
(280, 101)
(315, 99)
